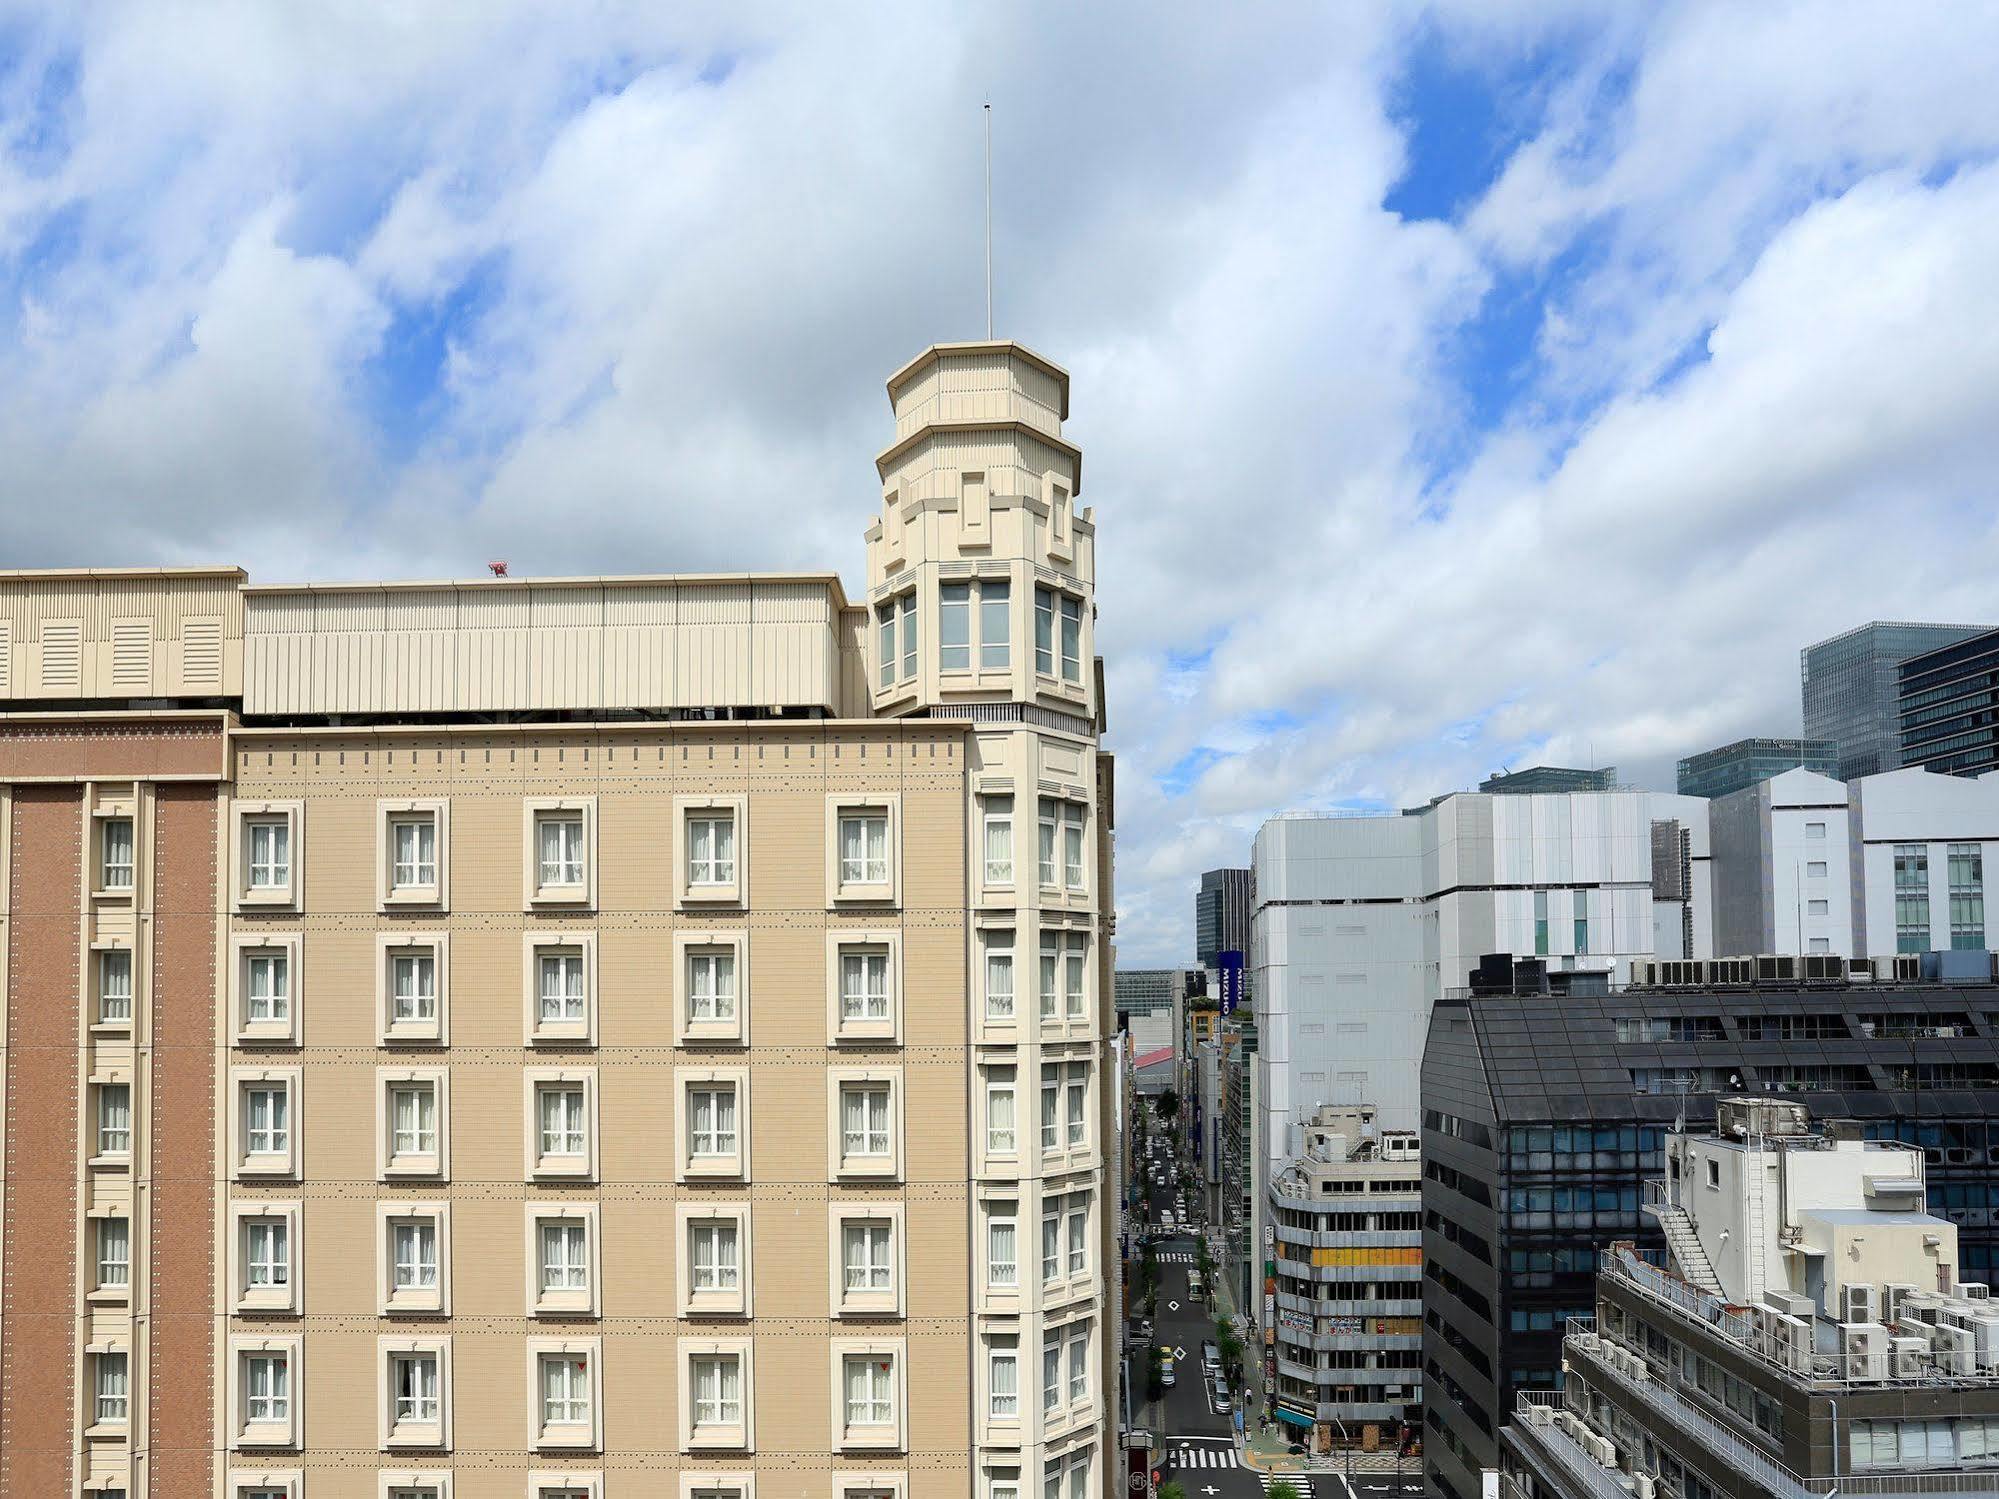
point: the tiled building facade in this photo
(571, 1037)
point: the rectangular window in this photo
(413, 1119)
(266, 1254)
(267, 987)
(1051, 1240)
(1815, 870)
(1074, 971)
(999, 976)
(1966, 863)
(1044, 632)
(711, 984)
(111, 1387)
(864, 985)
(1541, 923)
(1072, 639)
(864, 1125)
(1815, 830)
(1002, 1247)
(1078, 1230)
(413, 986)
(712, 1252)
(1820, 908)
(270, 853)
(995, 624)
(718, 1390)
(565, 1264)
(906, 621)
(711, 849)
(114, 1252)
(1003, 1382)
(267, 1387)
(870, 1389)
(114, 985)
(954, 627)
(1582, 934)
(1001, 1131)
(117, 853)
(565, 1390)
(1051, 1370)
(711, 1115)
(1051, 1107)
(114, 1119)
(1051, 816)
(885, 662)
(864, 1255)
(1072, 845)
(1912, 898)
(413, 845)
(414, 1258)
(864, 848)
(562, 1120)
(999, 840)
(1077, 1091)
(1051, 975)
(1079, 1364)
(559, 839)
(414, 1377)
(267, 1121)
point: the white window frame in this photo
(102, 954)
(97, 1098)
(392, 1434)
(242, 1483)
(563, 1301)
(873, 1436)
(993, 1210)
(543, 1484)
(282, 1165)
(390, 947)
(842, 1029)
(393, 894)
(564, 896)
(113, 1292)
(889, 1301)
(263, 897)
(993, 874)
(992, 1147)
(840, 1166)
(266, 944)
(733, 1483)
(583, 1436)
(392, 1164)
(999, 939)
(841, 891)
(728, 893)
(738, 1436)
(102, 868)
(694, 947)
(96, 1354)
(560, 1166)
(245, 1297)
(396, 1483)
(720, 1301)
(998, 1348)
(248, 1435)
(688, 1167)
(412, 1301)
(557, 941)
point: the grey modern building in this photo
(1544, 1114)
(1149, 991)
(1851, 689)
(1949, 707)
(1534, 778)
(1221, 915)
(1738, 766)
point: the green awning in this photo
(1293, 1417)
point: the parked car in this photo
(1211, 1357)
(1221, 1393)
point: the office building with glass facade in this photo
(1221, 915)
(1738, 766)
(1948, 706)
(1851, 688)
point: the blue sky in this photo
(1463, 384)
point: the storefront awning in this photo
(1293, 1417)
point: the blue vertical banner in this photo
(1230, 964)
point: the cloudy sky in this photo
(1463, 386)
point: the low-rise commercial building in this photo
(1808, 1333)
(1345, 1341)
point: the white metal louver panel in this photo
(132, 656)
(201, 656)
(6, 657)
(62, 657)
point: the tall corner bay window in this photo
(895, 631)
(1058, 634)
(981, 608)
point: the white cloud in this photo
(673, 254)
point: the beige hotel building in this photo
(571, 1037)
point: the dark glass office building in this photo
(1221, 915)
(1851, 687)
(1745, 763)
(1949, 707)
(1549, 778)
(1544, 1113)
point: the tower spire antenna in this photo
(989, 219)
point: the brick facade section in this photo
(39, 1241)
(111, 750)
(182, 1392)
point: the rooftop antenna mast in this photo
(989, 219)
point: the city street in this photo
(1194, 1442)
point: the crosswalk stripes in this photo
(1297, 1481)
(1180, 1257)
(1205, 1457)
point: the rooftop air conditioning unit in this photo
(1863, 1351)
(1824, 967)
(1908, 1358)
(1905, 967)
(1974, 1290)
(1644, 973)
(1777, 969)
(1791, 1339)
(1984, 1331)
(1893, 1296)
(1644, 1486)
(1860, 1303)
(1859, 971)
(1796, 1304)
(1544, 1415)
(1956, 1350)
